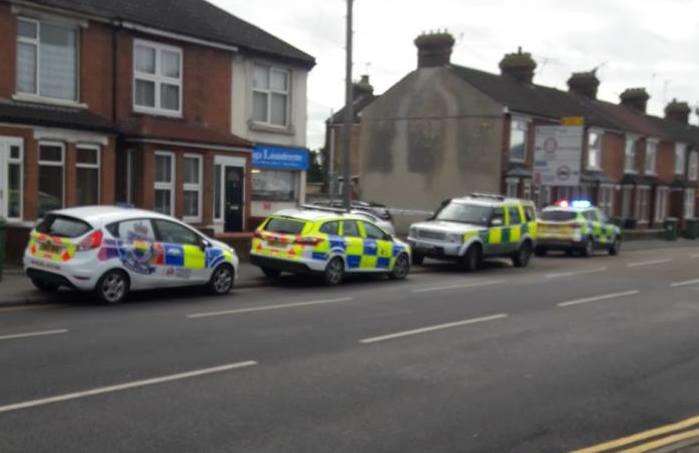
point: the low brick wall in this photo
(639, 235)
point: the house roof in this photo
(195, 18)
(53, 116)
(359, 104)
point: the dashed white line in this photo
(125, 386)
(581, 272)
(649, 263)
(598, 298)
(685, 283)
(33, 334)
(432, 328)
(268, 307)
(459, 286)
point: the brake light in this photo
(308, 240)
(93, 241)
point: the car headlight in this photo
(455, 237)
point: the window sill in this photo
(49, 101)
(153, 112)
(192, 220)
(264, 127)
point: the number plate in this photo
(50, 248)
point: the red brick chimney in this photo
(584, 83)
(434, 49)
(677, 111)
(362, 88)
(520, 66)
(635, 98)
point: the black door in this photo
(233, 214)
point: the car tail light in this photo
(93, 241)
(308, 240)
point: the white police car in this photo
(112, 250)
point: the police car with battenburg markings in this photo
(477, 227)
(576, 227)
(112, 250)
(329, 242)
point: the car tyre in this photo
(401, 268)
(473, 259)
(417, 259)
(540, 251)
(334, 272)
(222, 280)
(523, 255)
(271, 273)
(588, 248)
(113, 286)
(615, 247)
(45, 287)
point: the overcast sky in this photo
(636, 43)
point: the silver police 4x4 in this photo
(476, 227)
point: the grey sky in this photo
(648, 43)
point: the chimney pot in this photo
(584, 83)
(635, 98)
(434, 49)
(520, 66)
(677, 111)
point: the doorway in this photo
(11, 158)
(233, 198)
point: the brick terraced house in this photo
(106, 101)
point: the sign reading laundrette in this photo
(558, 155)
(279, 157)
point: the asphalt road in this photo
(565, 354)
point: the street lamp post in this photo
(349, 114)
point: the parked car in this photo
(113, 250)
(329, 242)
(477, 227)
(369, 215)
(576, 227)
(376, 209)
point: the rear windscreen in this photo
(558, 216)
(284, 226)
(62, 226)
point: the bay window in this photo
(594, 150)
(661, 203)
(47, 60)
(88, 175)
(693, 168)
(157, 84)
(689, 203)
(270, 95)
(51, 160)
(512, 187)
(630, 155)
(518, 139)
(274, 185)
(164, 182)
(643, 204)
(192, 187)
(680, 158)
(651, 156)
(606, 199)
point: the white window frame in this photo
(157, 78)
(661, 203)
(630, 154)
(643, 204)
(269, 91)
(651, 145)
(693, 168)
(4, 208)
(519, 120)
(36, 42)
(606, 199)
(51, 163)
(190, 187)
(511, 183)
(597, 165)
(680, 158)
(97, 166)
(527, 189)
(157, 185)
(689, 202)
(221, 181)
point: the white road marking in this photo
(432, 328)
(459, 286)
(685, 283)
(649, 263)
(33, 334)
(598, 298)
(126, 386)
(267, 307)
(572, 273)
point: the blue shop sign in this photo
(280, 157)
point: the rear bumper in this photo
(280, 264)
(559, 244)
(49, 277)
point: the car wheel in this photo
(113, 286)
(271, 273)
(222, 280)
(523, 255)
(588, 248)
(45, 287)
(540, 251)
(615, 247)
(334, 272)
(417, 260)
(401, 268)
(473, 259)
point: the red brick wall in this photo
(96, 68)
(8, 26)
(613, 155)
(665, 162)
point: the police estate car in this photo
(329, 242)
(477, 227)
(576, 226)
(112, 250)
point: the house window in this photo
(47, 59)
(164, 182)
(651, 155)
(157, 82)
(630, 155)
(218, 194)
(661, 197)
(606, 199)
(518, 140)
(527, 189)
(594, 150)
(51, 158)
(270, 95)
(192, 188)
(274, 185)
(88, 175)
(689, 203)
(512, 187)
(643, 204)
(12, 182)
(693, 169)
(680, 158)
(626, 194)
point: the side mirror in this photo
(204, 244)
(496, 222)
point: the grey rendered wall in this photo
(430, 137)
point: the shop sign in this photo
(280, 157)
(558, 155)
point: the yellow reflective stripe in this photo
(194, 257)
(515, 233)
(495, 236)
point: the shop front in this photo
(278, 179)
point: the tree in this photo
(316, 173)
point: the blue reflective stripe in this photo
(320, 256)
(174, 255)
(370, 247)
(383, 263)
(353, 261)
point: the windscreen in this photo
(465, 213)
(558, 215)
(284, 226)
(62, 226)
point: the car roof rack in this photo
(491, 196)
(313, 207)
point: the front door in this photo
(11, 177)
(233, 180)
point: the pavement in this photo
(564, 355)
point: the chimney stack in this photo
(434, 49)
(362, 88)
(677, 111)
(635, 98)
(520, 66)
(584, 84)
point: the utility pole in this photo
(349, 114)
